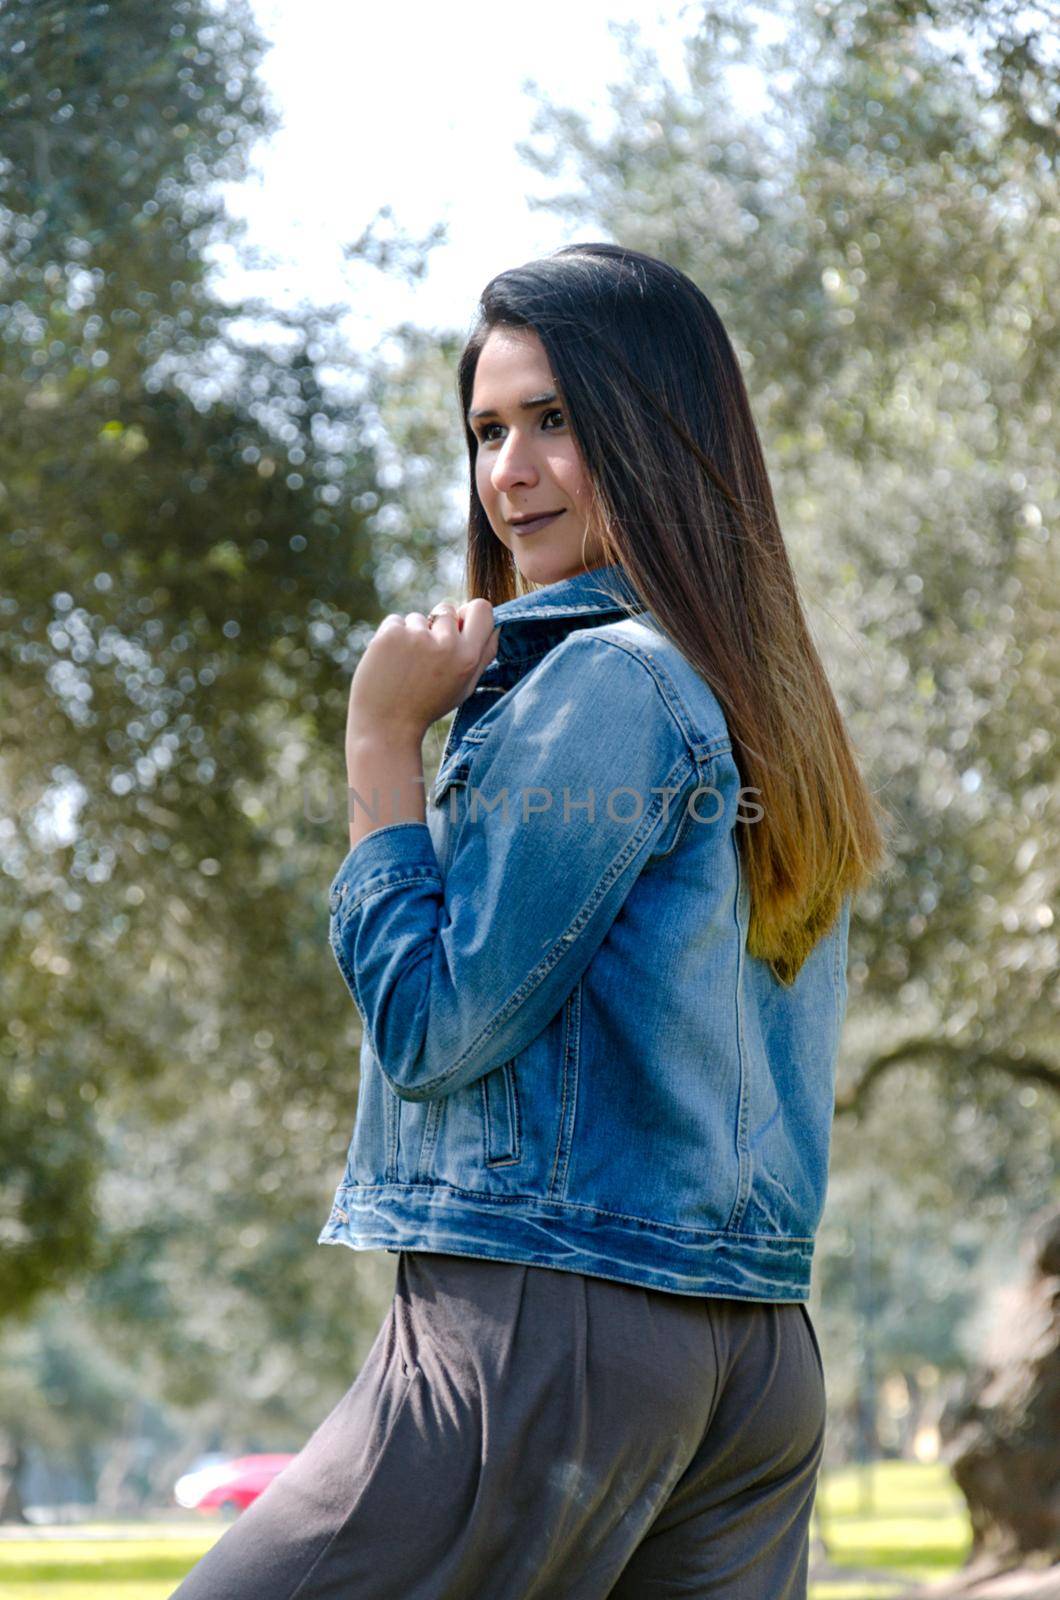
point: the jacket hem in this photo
(435, 1217)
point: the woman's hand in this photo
(414, 670)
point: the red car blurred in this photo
(229, 1486)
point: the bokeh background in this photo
(240, 246)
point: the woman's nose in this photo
(513, 465)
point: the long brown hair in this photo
(681, 498)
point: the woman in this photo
(601, 977)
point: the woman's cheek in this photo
(482, 485)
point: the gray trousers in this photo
(525, 1433)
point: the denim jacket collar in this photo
(604, 589)
(601, 592)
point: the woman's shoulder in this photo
(645, 671)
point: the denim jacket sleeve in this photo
(453, 978)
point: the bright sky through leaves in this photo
(419, 107)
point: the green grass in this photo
(142, 1563)
(915, 1528)
(915, 1531)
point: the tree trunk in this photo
(1001, 1437)
(11, 1507)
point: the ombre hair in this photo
(681, 499)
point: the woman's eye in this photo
(485, 438)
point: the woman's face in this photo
(527, 464)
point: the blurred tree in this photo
(184, 546)
(932, 1185)
(192, 524)
(1001, 1432)
(60, 1396)
(1000, 1436)
(413, 391)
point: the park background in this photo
(239, 250)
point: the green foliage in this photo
(184, 548)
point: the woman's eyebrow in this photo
(524, 405)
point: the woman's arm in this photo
(384, 776)
(454, 977)
(413, 671)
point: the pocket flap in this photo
(455, 764)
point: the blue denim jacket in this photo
(568, 1056)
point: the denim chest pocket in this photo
(513, 1129)
(500, 1116)
(478, 1129)
(456, 763)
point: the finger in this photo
(416, 622)
(445, 621)
(478, 624)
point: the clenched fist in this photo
(415, 668)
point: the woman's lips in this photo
(538, 522)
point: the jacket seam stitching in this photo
(346, 968)
(743, 1157)
(589, 609)
(570, 1044)
(835, 973)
